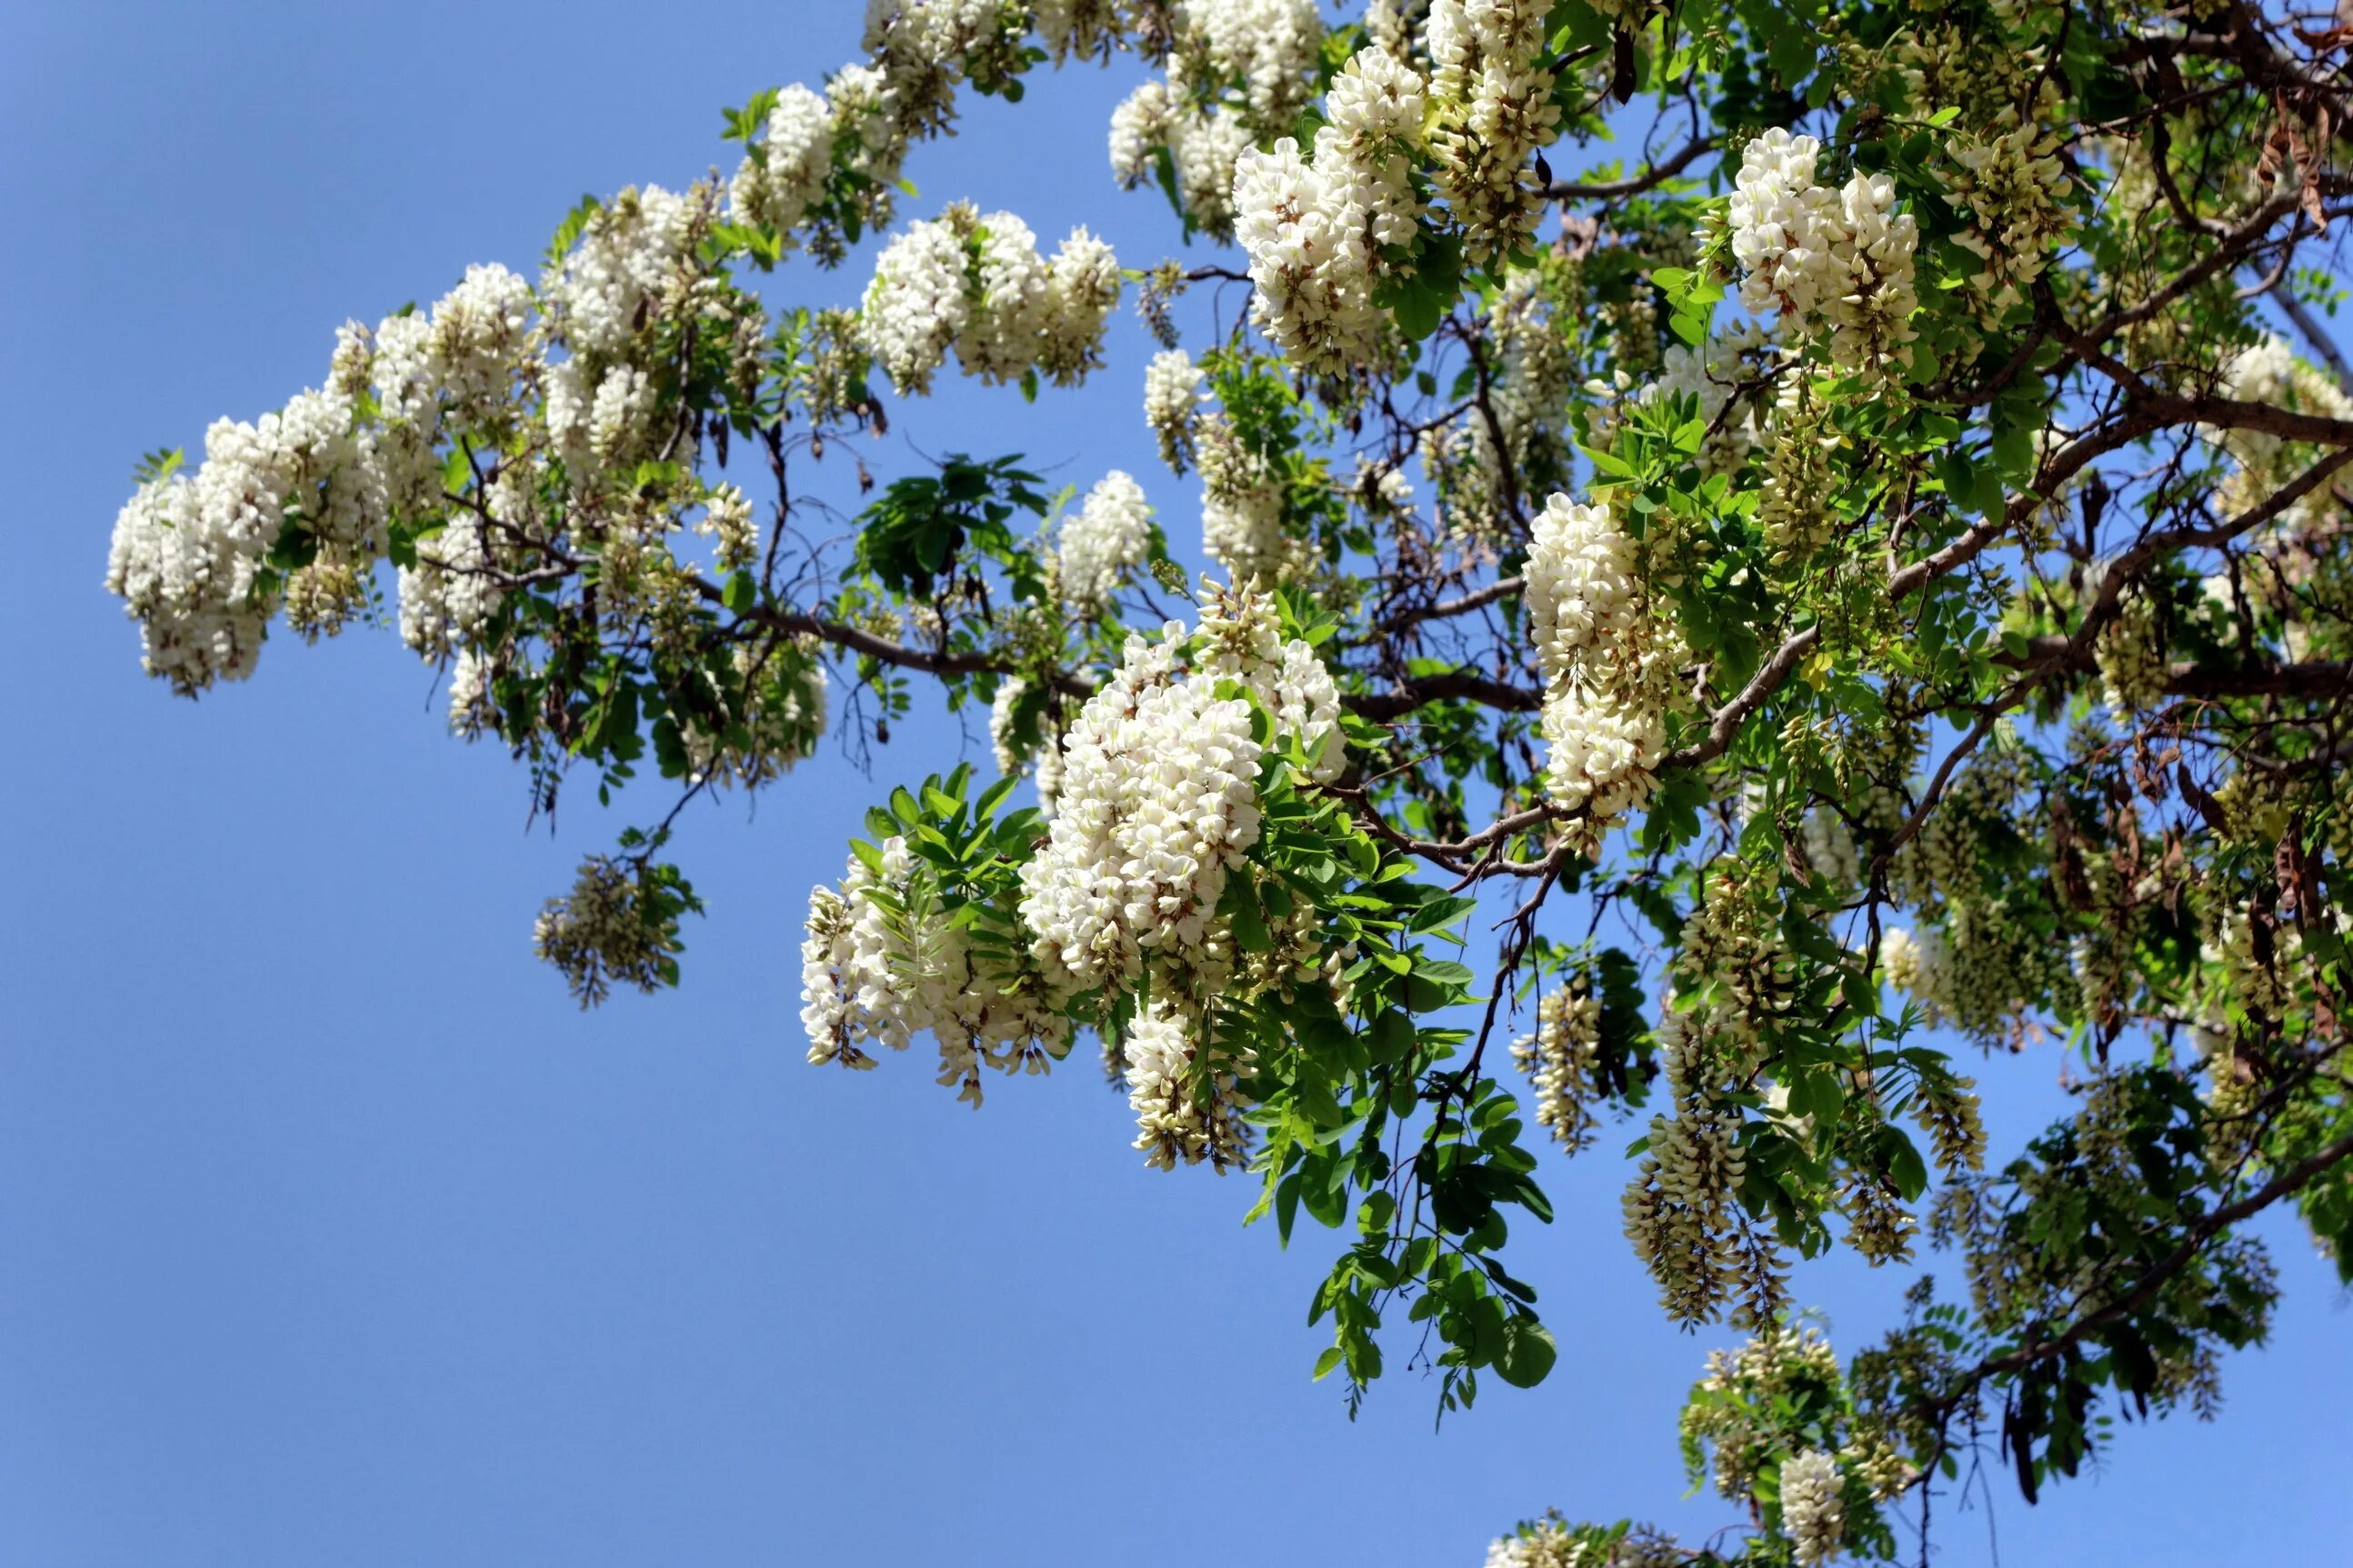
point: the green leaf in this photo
(1527, 1353)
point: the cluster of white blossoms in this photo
(2012, 183)
(1491, 109)
(1679, 1210)
(886, 958)
(783, 174)
(1839, 259)
(1186, 1109)
(785, 705)
(1608, 661)
(1014, 758)
(1172, 404)
(187, 555)
(1242, 508)
(2271, 374)
(978, 284)
(190, 552)
(1813, 1507)
(1202, 147)
(1559, 1059)
(1158, 802)
(1097, 551)
(1316, 231)
(1240, 71)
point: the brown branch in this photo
(1634, 185)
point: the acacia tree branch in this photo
(2036, 1349)
(1657, 175)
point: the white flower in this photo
(1813, 1512)
(1158, 802)
(187, 553)
(1314, 232)
(1492, 109)
(1823, 258)
(1172, 402)
(882, 971)
(977, 283)
(1178, 1118)
(1602, 659)
(1109, 539)
(915, 306)
(633, 266)
(796, 157)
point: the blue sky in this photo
(331, 1232)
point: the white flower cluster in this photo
(1262, 50)
(1839, 259)
(1186, 1109)
(1314, 232)
(1607, 659)
(1203, 148)
(785, 703)
(1172, 403)
(2270, 372)
(633, 267)
(1559, 1059)
(1158, 802)
(1679, 1210)
(2010, 182)
(885, 960)
(1239, 72)
(1100, 549)
(1549, 1543)
(978, 284)
(1491, 109)
(1242, 508)
(1814, 1509)
(783, 174)
(188, 553)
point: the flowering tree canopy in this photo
(1849, 578)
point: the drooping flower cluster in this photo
(1316, 231)
(1172, 402)
(1159, 803)
(188, 553)
(1099, 549)
(976, 284)
(1243, 526)
(1240, 71)
(886, 959)
(1559, 1059)
(1186, 1107)
(2012, 183)
(2270, 372)
(1491, 109)
(784, 173)
(1839, 259)
(1813, 1510)
(1609, 660)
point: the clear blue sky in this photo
(332, 1234)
